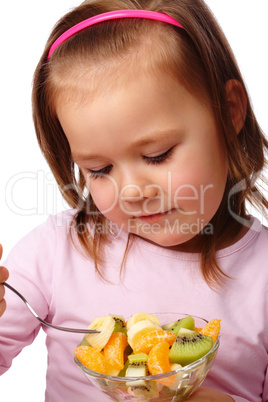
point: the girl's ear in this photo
(237, 102)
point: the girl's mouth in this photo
(153, 217)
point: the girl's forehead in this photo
(77, 83)
(76, 78)
(71, 75)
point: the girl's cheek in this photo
(190, 193)
(105, 193)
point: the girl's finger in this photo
(2, 307)
(2, 292)
(4, 274)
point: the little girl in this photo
(142, 114)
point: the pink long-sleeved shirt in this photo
(63, 287)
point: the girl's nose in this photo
(134, 193)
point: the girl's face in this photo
(151, 154)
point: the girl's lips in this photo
(154, 217)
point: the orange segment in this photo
(91, 358)
(158, 362)
(212, 329)
(147, 341)
(114, 350)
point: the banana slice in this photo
(106, 326)
(178, 376)
(140, 328)
(141, 316)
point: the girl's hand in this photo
(209, 395)
(3, 277)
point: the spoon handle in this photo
(79, 331)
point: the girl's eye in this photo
(94, 174)
(159, 158)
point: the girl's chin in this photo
(168, 233)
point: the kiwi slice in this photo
(189, 346)
(148, 391)
(120, 324)
(84, 342)
(122, 373)
(186, 322)
(137, 367)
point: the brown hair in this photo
(200, 57)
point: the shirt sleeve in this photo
(265, 388)
(239, 398)
(30, 265)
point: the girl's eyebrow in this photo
(155, 137)
(152, 138)
(83, 157)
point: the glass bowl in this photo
(185, 380)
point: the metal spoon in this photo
(80, 331)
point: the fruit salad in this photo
(141, 346)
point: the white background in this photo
(24, 204)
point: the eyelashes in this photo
(94, 174)
(150, 160)
(154, 160)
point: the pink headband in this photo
(151, 15)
